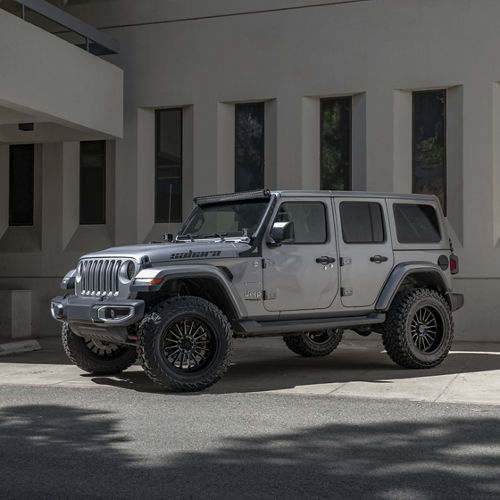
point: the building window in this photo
(335, 143)
(168, 172)
(21, 184)
(429, 144)
(249, 146)
(93, 182)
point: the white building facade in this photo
(378, 95)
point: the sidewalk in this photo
(358, 368)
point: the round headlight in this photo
(127, 270)
(130, 270)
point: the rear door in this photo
(365, 249)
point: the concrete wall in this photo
(205, 56)
(55, 84)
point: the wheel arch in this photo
(208, 282)
(414, 275)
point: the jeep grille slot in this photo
(100, 277)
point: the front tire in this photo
(419, 329)
(314, 344)
(95, 356)
(185, 344)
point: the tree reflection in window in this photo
(429, 144)
(249, 146)
(335, 143)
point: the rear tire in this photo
(314, 344)
(185, 344)
(418, 331)
(95, 356)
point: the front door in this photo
(303, 274)
(365, 249)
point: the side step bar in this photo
(251, 328)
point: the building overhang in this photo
(68, 94)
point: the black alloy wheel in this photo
(185, 344)
(314, 344)
(418, 331)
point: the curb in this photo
(20, 346)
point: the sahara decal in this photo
(195, 255)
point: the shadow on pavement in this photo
(256, 373)
(56, 451)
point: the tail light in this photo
(453, 264)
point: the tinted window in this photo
(416, 223)
(429, 144)
(168, 174)
(240, 218)
(335, 145)
(93, 182)
(249, 146)
(362, 222)
(21, 184)
(309, 220)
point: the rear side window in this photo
(416, 223)
(309, 220)
(362, 222)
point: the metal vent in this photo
(99, 277)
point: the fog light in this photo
(57, 310)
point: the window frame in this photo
(327, 224)
(349, 175)
(32, 152)
(262, 148)
(102, 221)
(413, 143)
(382, 216)
(158, 111)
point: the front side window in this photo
(249, 146)
(309, 220)
(168, 171)
(93, 182)
(230, 219)
(416, 223)
(429, 144)
(335, 144)
(362, 222)
(21, 184)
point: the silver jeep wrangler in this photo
(304, 265)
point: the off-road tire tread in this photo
(299, 345)
(78, 353)
(394, 341)
(146, 332)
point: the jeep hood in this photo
(167, 252)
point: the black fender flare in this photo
(152, 279)
(401, 272)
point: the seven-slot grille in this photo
(100, 276)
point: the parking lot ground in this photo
(349, 426)
(358, 368)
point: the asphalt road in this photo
(59, 442)
(68, 435)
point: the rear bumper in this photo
(456, 301)
(106, 312)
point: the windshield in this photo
(232, 219)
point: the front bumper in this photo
(103, 312)
(456, 301)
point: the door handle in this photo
(378, 259)
(325, 260)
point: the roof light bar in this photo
(244, 195)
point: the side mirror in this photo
(282, 232)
